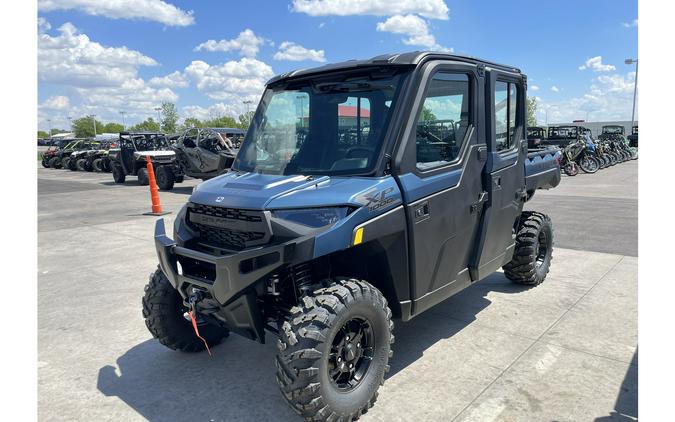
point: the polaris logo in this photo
(220, 199)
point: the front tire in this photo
(55, 163)
(571, 169)
(118, 174)
(163, 311)
(143, 178)
(588, 164)
(334, 351)
(81, 164)
(534, 250)
(165, 178)
(96, 165)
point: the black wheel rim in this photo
(542, 248)
(351, 354)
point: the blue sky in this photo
(131, 55)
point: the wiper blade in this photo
(350, 86)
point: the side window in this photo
(443, 121)
(506, 104)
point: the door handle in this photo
(482, 198)
(421, 212)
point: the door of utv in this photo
(438, 166)
(504, 176)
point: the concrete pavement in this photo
(565, 350)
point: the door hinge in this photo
(481, 70)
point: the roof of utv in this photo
(403, 59)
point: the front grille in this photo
(228, 228)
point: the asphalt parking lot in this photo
(563, 351)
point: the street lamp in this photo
(93, 118)
(159, 118)
(124, 124)
(248, 105)
(302, 109)
(629, 62)
(50, 127)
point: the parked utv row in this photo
(200, 153)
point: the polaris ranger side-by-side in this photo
(129, 158)
(363, 191)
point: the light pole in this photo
(302, 109)
(50, 127)
(70, 122)
(159, 118)
(629, 62)
(93, 118)
(248, 105)
(124, 123)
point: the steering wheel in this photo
(350, 152)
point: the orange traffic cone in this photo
(154, 191)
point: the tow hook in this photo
(195, 297)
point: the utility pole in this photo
(50, 127)
(629, 62)
(124, 124)
(93, 118)
(70, 122)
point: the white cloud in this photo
(534, 87)
(58, 102)
(153, 10)
(432, 9)
(595, 64)
(102, 80)
(73, 59)
(416, 28)
(247, 43)
(297, 53)
(172, 80)
(231, 80)
(216, 110)
(555, 89)
(43, 25)
(632, 24)
(610, 97)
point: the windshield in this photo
(321, 126)
(612, 129)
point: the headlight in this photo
(196, 187)
(313, 217)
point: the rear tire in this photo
(534, 250)
(45, 163)
(165, 178)
(118, 174)
(81, 163)
(143, 179)
(96, 165)
(163, 311)
(55, 163)
(350, 320)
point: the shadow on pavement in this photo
(238, 382)
(626, 405)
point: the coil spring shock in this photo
(302, 276)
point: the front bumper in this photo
(230, 279)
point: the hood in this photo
(138, 154)
(263, 191)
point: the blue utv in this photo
(363, 191)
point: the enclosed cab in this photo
(536, 136)
(561, 136)
(363, 191)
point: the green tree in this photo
(222, 121)
(191, 122)
(148, 125)
(532, 111)
(427, 114)
(169, 117)
(84, 127)
(112, 127)
(42, 134)
(246, 119)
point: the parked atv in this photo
(204, 153)
(79, 159)
(130, 159)
(348, 206)
(633, 137)
(62, 157)
(52, 151)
